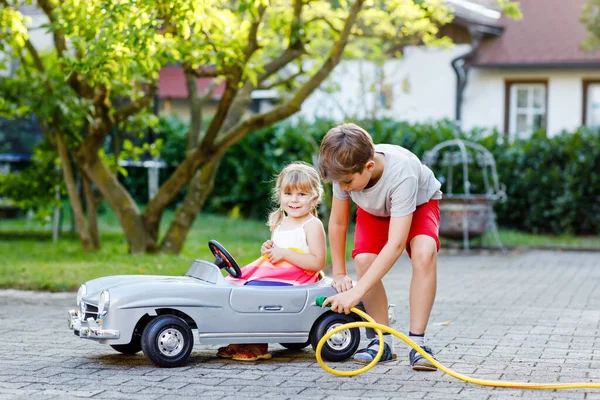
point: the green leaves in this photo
(590, 16)
(34, 188)
(510, 8)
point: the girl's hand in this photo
(276, 254)
(266, 246)
(342, 283)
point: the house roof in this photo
(549, 35)
(171, 83)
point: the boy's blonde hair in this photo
(345, 150)
(296, 176)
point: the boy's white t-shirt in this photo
(405, 184)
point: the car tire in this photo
(167, 341)
(340, 346)
(295, 346)
(130, 348)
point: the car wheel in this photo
(340, 346)
(167, 341)
(295, 346)
(130, 348)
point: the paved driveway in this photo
(530, 316)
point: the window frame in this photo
(509, 109)
(586, 83)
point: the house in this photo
(515, 76)
(172, 94)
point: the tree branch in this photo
(37, 61)
(231, 88)
(328, 22)
(289, 55)
(207, 151)
(124, 112)
(204, 74)
(253, 35)
(293, 106)
(60, 43)
(281, 82)
(59, 38)
(295, 27)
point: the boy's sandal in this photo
(227, 351)
(368, 354)
(420, 363)
(251, 352)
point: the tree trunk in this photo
(74, 199)
(196, 103)
(203, 182)
(137, 236)
(198, 190)
(92, 212)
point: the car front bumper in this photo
(89, 329)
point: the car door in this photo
(269, 309)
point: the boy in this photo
(397, 200)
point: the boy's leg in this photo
(424, 281)
(423, 245)
(375, 300)
(369, 238)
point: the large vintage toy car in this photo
(156, 314)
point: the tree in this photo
(590, 16)
(102, 73)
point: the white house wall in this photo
(41, 39)
(423, 87)
(484, 98)
(422, 84)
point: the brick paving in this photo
(526, 316)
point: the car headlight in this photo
(103, 304)
(80, 293)
(82, 310)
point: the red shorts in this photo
(371, 232)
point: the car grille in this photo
(91, 311)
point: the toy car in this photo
(156, 314)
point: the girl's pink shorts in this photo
(371, 232)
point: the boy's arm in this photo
(398, 233)
(338, 227)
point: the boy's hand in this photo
(276, 254)
(266, 246)
(342, 302)
(342, 283)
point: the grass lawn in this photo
(30, 260)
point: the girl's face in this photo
(296, 203)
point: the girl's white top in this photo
(295, 238)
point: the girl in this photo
(297, 249)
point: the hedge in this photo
(552, 184)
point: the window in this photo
(526, 108)
(591, 104)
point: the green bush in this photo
(552, 183)
(246, 174)
(34, 187)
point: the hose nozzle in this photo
(320, 300)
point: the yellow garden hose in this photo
(379, 328)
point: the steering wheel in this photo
(223, 259)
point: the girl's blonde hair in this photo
(296, 176)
